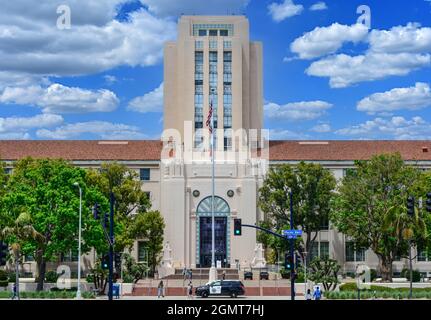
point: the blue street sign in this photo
(292, 233)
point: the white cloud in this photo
(297, 111)
(344, 70)
(101, 129)
(175, 8)
(412, 98)
(411, 38)
(321, 128)
(287, 9)
(32, 44)
(325, 40)
(395, 128)
(110, 79)
(281, 134)
(17, 127)
(394, 52)
(150, 102)
(61, 99)
(318, 6)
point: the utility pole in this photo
(292, 248)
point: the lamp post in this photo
(78, 292)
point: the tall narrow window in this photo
(199, 93)
(227, 96)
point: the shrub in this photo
(4, 280)
(88, 295)
(51, 276)
(350, 286)
(90, 278)
(373, 274)
(127, 278)
(416, 275)
(12, 277)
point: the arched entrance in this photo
(204, 232)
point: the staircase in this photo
(203, 274)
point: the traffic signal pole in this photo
(111, 244)
(292, 251)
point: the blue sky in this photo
(325, 76)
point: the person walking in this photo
(308, 295)
(190, 290)
(317, 294)
(224, 275)
(14, 293)
(160, 290)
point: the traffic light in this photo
(428, 202)
(237, 227)
(106, 220)
(96, 211)
(288, 263)
(117, 259)
(411, 206)
(3, 253)
(105, 262)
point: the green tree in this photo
(16, 233)
(324, 271)
(44, 190)
(312, 187)
(371, 208)
(149, 226)
(128, 194)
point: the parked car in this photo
(264, 275)
(232, 288)
(248, 275)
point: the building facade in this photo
(214, 63)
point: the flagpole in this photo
(213, 270)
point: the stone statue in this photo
(259, 259)
(165, 269)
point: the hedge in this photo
(351, 286)
(394, 294)
(47, 295)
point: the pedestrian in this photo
(160, 290)
(224, 275)
(184, 272)
(191, 274)
(308, 295)
(14, 292)
(190, 290)
(317, 294)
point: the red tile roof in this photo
(346, 150)
(81, 150)
(151, 150)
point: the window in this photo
(213, 33)
(325, 224)
(199, 44)
(71, 256)
(213, 44)
(7, 170)
(227, 123)
(349, 172)
(148, 195)
(324, 249)
(28, 258)
(144, 174)
(314, 250)
(353, 253)
(202, 33)
(227, 44)
(224, 33)
(422, 255)
(142, 251)
(227, 56)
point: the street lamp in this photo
(78, 292)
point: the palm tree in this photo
(18, 231)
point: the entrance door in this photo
(220, 228)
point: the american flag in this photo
(210, 113)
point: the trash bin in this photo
(116, 290)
